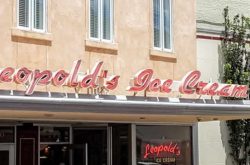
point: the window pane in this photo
(23, 13)
(54, 134)
(4, 157)
(167, 24)
(163, 145)
(157, 24)
(90, 143)
(94, 18)
(39, 14)
(7, 135)
(121, 142)
(106, 19)
(54, 154)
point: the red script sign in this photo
(190, 84)
(59, 78)
(157, 150)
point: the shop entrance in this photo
(27, 145)
(90, 146)
(7, 154)
(105, 145)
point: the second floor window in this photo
(31, 15)
(162, 25)
(101, 20)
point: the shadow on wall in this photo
(224, 138)
(220, 63)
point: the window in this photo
(54, 145)
(54, 134)
(31, 15)
(101, 20)
(162, 25)
(163, 145)
(7, 134)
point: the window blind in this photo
(39, 14)
(167, 23)
(94, 18)
(106, 19)
(23, 16)
(157, 23)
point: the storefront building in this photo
(110, 82)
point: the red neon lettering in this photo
(212, 89)
(157, 150)
(59, 78)
(239, 91)
(22, 75)
(6, 74)
(38, 78)
(200, 90)
(166, 86)
(90, 80)
(189, 82)
(141, 80)
(72, 79)
(154, 85)
(112, 82)
(224, 91)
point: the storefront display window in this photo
(54, 145)
(54, 154)
(54, 134)
(7, 134)
(164, 145)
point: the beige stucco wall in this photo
(68, 32)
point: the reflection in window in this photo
(54, 146)
(54, 134)
(163, 145)
(54, 154)
(121, 141)
(7, 134)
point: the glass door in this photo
(90, 146)
(7, 154)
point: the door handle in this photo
(86, 153)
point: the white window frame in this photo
(31, 26)
(161, 48)
(100, 23)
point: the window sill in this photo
(101, 47)
(157, 55)
(15, 32)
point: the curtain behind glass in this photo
(23, 13)
(167, 24)
(94, 18)
(106, 19)
(157, 24)
(39, 14)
